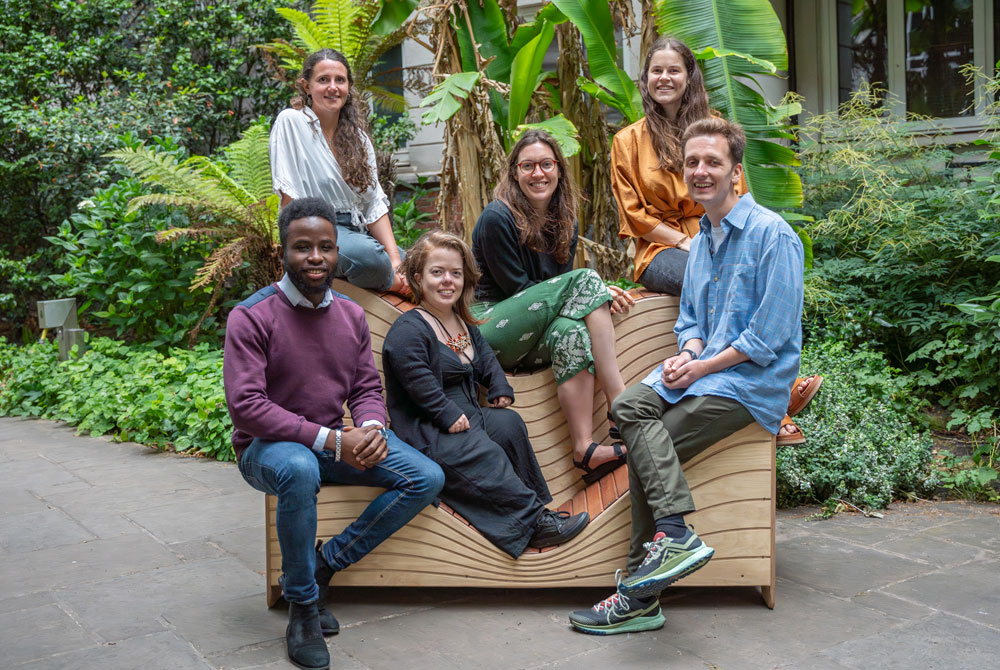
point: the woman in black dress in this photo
(433, 357)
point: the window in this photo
(915, 49)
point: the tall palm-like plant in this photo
(229, 200)
(738, 41)
(362, 30)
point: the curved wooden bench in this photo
(732, 483)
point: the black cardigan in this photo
(419, 410)
(507, 265)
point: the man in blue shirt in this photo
(739, 336)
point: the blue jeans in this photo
(293, 472)
(363, 260)
(665, 273)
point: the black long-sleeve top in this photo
(418, 407)
(508, 266)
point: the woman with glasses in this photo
(538, 310)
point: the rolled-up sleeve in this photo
(779, 280)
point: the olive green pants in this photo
(660, 437)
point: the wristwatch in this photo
(338, 434)
(690, 353)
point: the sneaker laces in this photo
(655, 548)
(616, 598)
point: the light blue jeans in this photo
(363, 262)
(293, 472)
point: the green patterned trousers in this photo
(543, 324)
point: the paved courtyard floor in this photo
(114, 556)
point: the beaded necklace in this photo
(457, 343)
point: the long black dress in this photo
(491, 475)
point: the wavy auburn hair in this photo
(352, 126)
(416, 260)
(665, 132)
(553, 233)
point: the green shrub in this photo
(122, 276)
(76, 75)
(902, 238)
(171, 400)
(863, 444)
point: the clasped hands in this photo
(682, 370)
(361, 448)
(462, 422)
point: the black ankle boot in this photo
(324, 573)
(304, 639)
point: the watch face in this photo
(384, 433)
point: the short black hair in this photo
(303, 208)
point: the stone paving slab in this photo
(116, 556)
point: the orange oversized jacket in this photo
(648, 195)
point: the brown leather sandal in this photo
(800, 399)
(790, 439)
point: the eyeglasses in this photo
(547, 165)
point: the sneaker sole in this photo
(653, 584)
(636, 625)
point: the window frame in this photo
(819, 17)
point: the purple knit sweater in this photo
(289, 370)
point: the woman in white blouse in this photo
(320, 148)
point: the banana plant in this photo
(732, 53)
(490, 60)
(609, 83)
(362, 30)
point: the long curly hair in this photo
(553, 234)
(352, 156)
(416, 259)
(665, 132)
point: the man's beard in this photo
(299, 282)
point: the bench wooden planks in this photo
(732, 482)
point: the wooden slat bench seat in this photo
(732, 483)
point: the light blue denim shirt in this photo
(746, 294)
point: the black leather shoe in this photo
(304, 639)
(554, 528)
(324, 573)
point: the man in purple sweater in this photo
(295, 353)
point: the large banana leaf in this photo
(738, 41)
(448, 96)
(393, 15)
(559, 127)
(524, 75)
(593, 19)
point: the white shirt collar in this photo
(295, 296)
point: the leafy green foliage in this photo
(79, 74)
(903, 239)
(408, 219)
(861, 443)
(19, 279)
(736, 51)
(229, 200)
(447, 97)
(126, 280)
(171, 400)
(609, 83)
(976, 476)
(362, 30)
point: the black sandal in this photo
(613, 432)
(591, 475)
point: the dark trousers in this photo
(665, 273)
(493, 479)
(660, 437)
